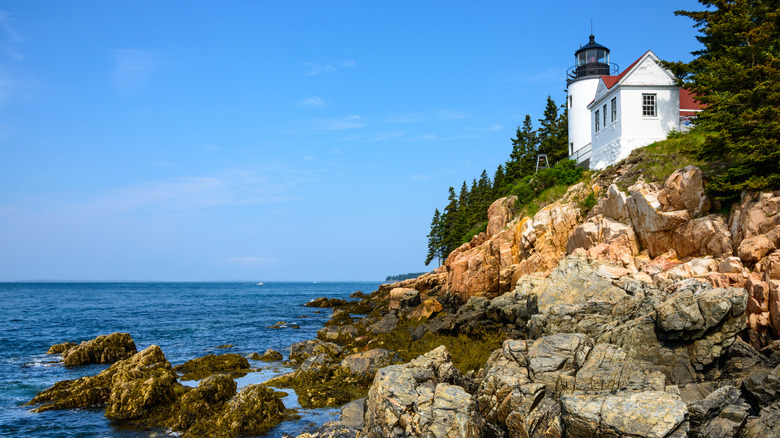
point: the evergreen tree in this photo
(553, 133)
(499, 186)
(524, 149)
(435, 239)
(737, 77)
(450, 237)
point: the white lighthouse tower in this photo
(591, 62)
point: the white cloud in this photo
(451, 115)
(9, 39)
(350, 122)
(406, 118)
(388, 135)
(313, 102)
(132, 68)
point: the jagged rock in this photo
(253, 356)
(420, 399)
(490, 265)
(767, 424)
(763, 386)
(614, 204)
(387, 324)
(104, 349)
(653, 227)
(252, 411)
(130, 387)
(684, 190)
(426, 309)
(707, 235)
(605, 239)
(61, 348)
(635, 414)
(202, 402)
(720, 414)
(364, 365)
(403, 298)
(500, 214)
(209, 364)
(575, 282)
(608, 368)
(314, 367)
(300, 351)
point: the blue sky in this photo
(271, 140)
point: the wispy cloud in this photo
(388, 135)
(313, 102)
(451, 115)
(9, 39)
(350, 122)
(247, 261)
(314, 68)
(406, 118)
(132, 68)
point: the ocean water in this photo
(187, 320)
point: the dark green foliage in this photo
(737, 76)
(466, 214)
(524, 149)
(553, 133)
(402, 277)
(435, 238)
(565, 172)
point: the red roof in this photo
(689, 106)
(610, 81)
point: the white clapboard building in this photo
(611, 114)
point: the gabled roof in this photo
(610, 81)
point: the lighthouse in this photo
(591, 62)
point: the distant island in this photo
(402, 277)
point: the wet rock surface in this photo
(104, 349)
(142, 391)
(202, 367)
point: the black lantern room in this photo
(592, 59)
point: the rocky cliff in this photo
(654, 233)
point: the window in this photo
(597, 120)
(648, 105)
(604, 110)
(614, 109)
(570, 100)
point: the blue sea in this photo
(187, 320)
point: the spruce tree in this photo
(524, 149)
(737, 77)
(553, 133)
(435, 239)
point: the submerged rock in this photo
(105, 349)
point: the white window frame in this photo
(604, 109)
(614, 109)
(649, 105)
(597, 120)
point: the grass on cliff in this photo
(655, 162)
